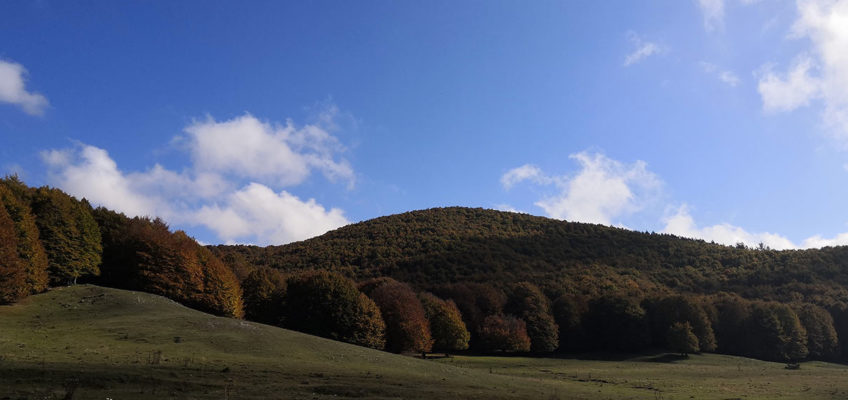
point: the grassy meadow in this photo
(89, 342)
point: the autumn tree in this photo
(31, 257)
(327, 304)
(504, 333)
(407, 327)
(475, 301)
(528, 303)
(264, 290)
(70, 235)
(446, 326)
(143, 254)
(682, 339)
(12, 272)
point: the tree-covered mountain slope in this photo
(443, 245)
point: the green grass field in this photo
(88, 342)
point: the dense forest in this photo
(450, 279)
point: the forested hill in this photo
(443, 245)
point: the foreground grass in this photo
(666, 376)
(88, 342)
(92, 342)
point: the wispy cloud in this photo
(13, 89)
(642, 49)
(726, 76)
(713, 11)
(821, 72)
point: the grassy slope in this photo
(106, 342)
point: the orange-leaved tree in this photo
(31, 257)
(407, 328)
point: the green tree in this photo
(732, 315)
(822, 341)
(775, 333)
(70, 235)
(615, 323)
(264, 291)
(568, 313)
(682, 339)
(528, 303)
(664, 312)
(327, 304)
(446, 326)
(793, 336)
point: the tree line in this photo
(615, 291)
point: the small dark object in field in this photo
(178, 339)
(225, 370)
(793, 366)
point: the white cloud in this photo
(13, 89)
(729, 78)
(682, 224)
(817, 241)
(726, 76)
(507, 208)
(210, 192)
(713, 11)
(89, 172)
(246, 147)
(643, 49)
(820, 73)
(256, 212)
(523, 173)
(787, 93)
(602, 190)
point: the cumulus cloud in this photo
(249, 148)
(602, 190)
(210, 192)
(681, 223)
(821, 73)
(818, 241)
(13, 89)
(256, 212)
(89, 172)
(642, 49)
(795, 89)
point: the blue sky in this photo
(269, 122)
